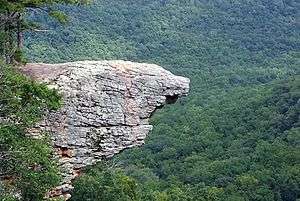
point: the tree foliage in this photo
(27, 167)
(236, 136)
(105, 184)
(13, 22)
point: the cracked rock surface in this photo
(106, 109)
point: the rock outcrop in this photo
(107, 106)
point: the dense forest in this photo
(236, 137)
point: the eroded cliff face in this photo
(107, 106)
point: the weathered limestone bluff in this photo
(106, 109)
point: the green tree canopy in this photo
(13, 22)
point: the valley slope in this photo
(236, 137)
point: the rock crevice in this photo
(107, 106)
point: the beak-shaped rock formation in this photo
(106, 109)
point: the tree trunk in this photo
(19, 33)
(13, 42)
(11, 48)
(6, 44)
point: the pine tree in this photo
(13, 23)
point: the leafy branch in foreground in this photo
(13, 23)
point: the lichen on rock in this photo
(107, 106)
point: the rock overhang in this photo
(107, 106)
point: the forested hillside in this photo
(236, 137)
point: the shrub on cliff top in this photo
(27, 169)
